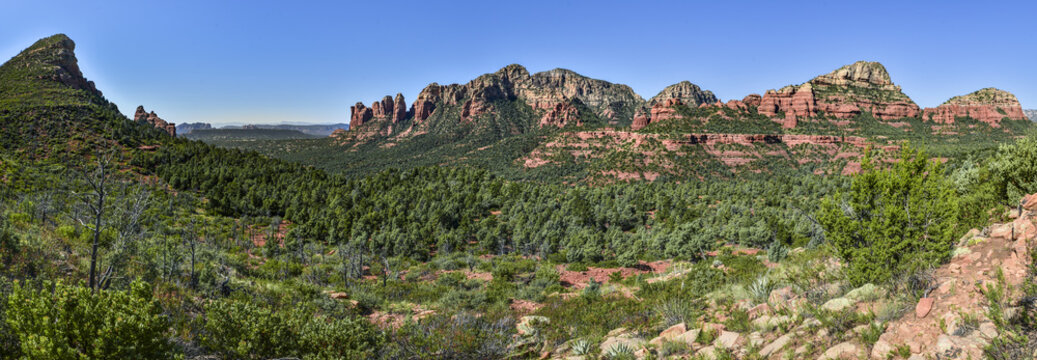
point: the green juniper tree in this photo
(892, 220)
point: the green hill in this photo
(47, 107)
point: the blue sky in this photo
(296, 61)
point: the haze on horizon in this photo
(264, 62)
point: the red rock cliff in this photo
(988, 105)
(844, 93)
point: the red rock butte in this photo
(843, 93)
(143, 116)
(989, 105)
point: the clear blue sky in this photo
(295, 61)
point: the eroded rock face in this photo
(59, 51)
(551, 87)
(752, 100)
(866, 74)
(794, 101)
(382, 109)
(359, 115)
(844, 93)
(664, 110)
(736, 105)
(640, 119)
(688, 93)
(989, 105)
(400, 111)
(560, 115)
(682, 93)
(151, 118)
(548, 91)
(388, 109)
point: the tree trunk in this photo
(97, 238)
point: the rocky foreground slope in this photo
(952, 318)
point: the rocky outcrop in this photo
(688, 94)
(548, 91)
(794, 101)
(389, 109)
(987, 105)
(865, 74)
(640, 119)
(661, 105)
(844, 93)
(664, 110)
(562, 114)
(660, 111)
(359, 115)
(151, 118)
(736, 105)
(400, 111)
(58, 52)
(382, 109)
(752, 100)
(475, 97)
(605, 99)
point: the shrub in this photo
(59, 321)
(1015, 167)
(9, 347)
(242, 330)
(761, 289)
(677, 310)
(892, 221)
(444, 336)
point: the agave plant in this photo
(581, 347)
(761, 288)
(620, 351)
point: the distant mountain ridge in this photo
(1031, 114)
(187, 128)
(579, 125)
(320, 130)
(843, 93)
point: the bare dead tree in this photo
(44, 206)
(302, 248)
(95, 199)
(191, 238)
(127, 218)
(352, 259)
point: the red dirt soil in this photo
(580, 279)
